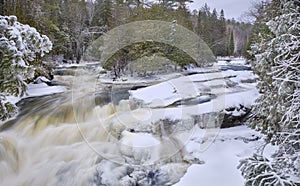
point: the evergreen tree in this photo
(205, 27)
(258, 29)
(183, 17)
(218, 34)
(231, 44)
(276, 113)
(21, 49)
(214, 34)
(221, 48)
(48, 24)
(104, 13)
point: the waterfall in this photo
(77, 140)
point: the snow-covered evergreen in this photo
(277, 111)
(21, 49)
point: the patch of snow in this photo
(37, 90)
(138, 139)
(43, 89)
(41, 79)
(162, 94)
(84, 64)
(269, 150)
(13, 99)
(166, 93)
(246, 98)
(143, 147)
(222, 63)
(231, 61)
(239, 76)
(221, 157)
(237, 112)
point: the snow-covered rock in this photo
(41, 79)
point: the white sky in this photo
(232, 8)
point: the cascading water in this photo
(82, 138)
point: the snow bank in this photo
(231, 60)
(142, 147)
(221, 157)
(197, 85)
(43, 89)
(34, 90)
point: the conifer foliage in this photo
(277, 111)
(21, 49)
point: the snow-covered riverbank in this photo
(166, 131)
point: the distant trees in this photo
(73, 24)
(120, 59)
(103, 13)
(224, 37)
(67, 23)
(275, 54)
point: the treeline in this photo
(73, 24)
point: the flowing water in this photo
(82, 137)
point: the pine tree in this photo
(218, 34)
(259, 28)
(205, 26)
(21, 49)
(213, 21)
(221, 26)
(182, 15)
(231, 44)
(276, 112)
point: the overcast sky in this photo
(232, 8)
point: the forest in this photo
(72, 25)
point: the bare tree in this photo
(255, 11)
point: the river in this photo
(96, 136)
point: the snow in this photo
(143, 147)
(125, 80)
(193, 86)
(13, 99)
(34, 90)
(82, 64)
(231, 61)
(219, 149)
(162, 94)
(240, 75)
(43, 89)
(138, 139)
(221, 157)
(22, 44)
(246, 98)
(23, 39)
(186, 112)
(237, 112)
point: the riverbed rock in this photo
(235, 116)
